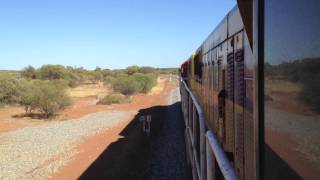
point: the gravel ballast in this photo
(168, 149)
(35, 152)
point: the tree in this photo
(125, 85)
(29, 72)
(51, 99)
(47, 97)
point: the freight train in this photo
(250, 94)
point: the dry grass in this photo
(86, 90)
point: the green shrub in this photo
(29, 72)
(73, 79)
(30, 97)
(97, 76)
(71, 75)
(48, 97)
(10, 89)
(51, 72)
(51, 99)
(108, 80)
(136, 83)
(125, 85)
(147, 70)
(112, 99)
(146, 81)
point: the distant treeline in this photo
(74, 76)
(305, 72)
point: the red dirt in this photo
(9, 123)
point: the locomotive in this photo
(250, 94)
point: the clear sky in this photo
(109, 34)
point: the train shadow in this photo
(128, 156)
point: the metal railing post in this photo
(210, 162)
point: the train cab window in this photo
(291, 89)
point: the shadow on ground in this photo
(33, 116)
(129, 156)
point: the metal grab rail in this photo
(208, 141)
(225, 166)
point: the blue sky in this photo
(108, 34)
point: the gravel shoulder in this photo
(34, 152)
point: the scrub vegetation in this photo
(115, 98)
(43, 90)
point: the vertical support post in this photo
(210, 162)
(194, 126)
(202, 146)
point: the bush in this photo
(51, 99)
(147, 70)
(47, 97)
(125, 85)
(73, 79)
(51, 72)
(29, 72)
(30, 97)
(108, 80)
(112, 99)
(136, 83)
(10, 89)
(146, 81)
(71, 76)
